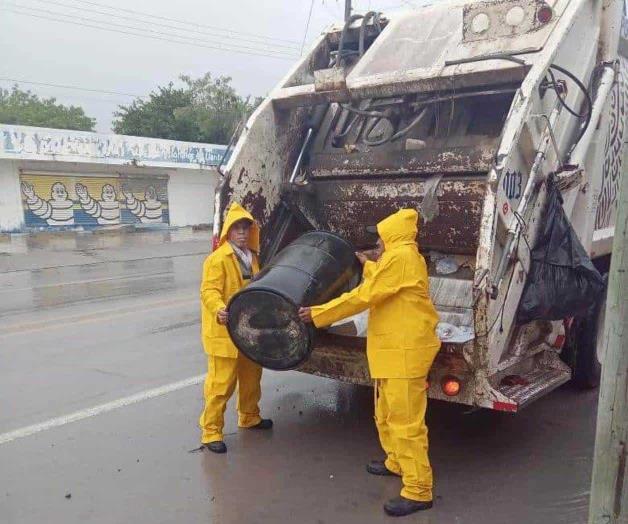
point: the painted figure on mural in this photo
(148, 211)
(106, 211)
(58, 211)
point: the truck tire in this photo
(581, 347)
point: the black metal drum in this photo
(263, 317)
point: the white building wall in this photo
(191, 197)
(11, 216)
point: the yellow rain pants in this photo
(400, 405)
(222, 375)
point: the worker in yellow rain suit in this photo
(225, 272)
(401, 346)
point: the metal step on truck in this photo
(462, 110)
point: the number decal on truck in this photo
(512, 182)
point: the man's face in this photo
(379, 248)
(376, 252)
(239, 233)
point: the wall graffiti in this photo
(613, 149)
(24, 142)
(50, 200)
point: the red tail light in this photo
(450, 385)
(544, 14)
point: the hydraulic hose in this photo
(587, 96)
(576, 80)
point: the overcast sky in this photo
(39, 49)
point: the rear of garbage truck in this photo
(463, 111)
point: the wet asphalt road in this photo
(86, 320)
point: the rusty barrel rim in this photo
(259, 330)
(356, 262)
(254, 357)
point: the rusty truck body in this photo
(461, 110)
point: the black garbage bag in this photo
(562, 281)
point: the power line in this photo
(159, 33)
(333, 16)
(184, 42)
(249, 40)
(77, 88)
(307, 26)
(186, 22)
(189, 43)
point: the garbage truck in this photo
(464, 111)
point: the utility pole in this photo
(609, 485)
(347, 9)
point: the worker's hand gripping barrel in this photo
(263, 317)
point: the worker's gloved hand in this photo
(305, 314)
(222, 316)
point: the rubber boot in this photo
(265, 423)
(377, 467)
(401, 506)
(217, 446)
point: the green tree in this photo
(25, 108)
(216, 107)
(205, 109)
(161, 115)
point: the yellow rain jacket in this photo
(401, 346)
(222, 279)
(401, 336)
(226, 367)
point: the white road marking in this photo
(99, 409)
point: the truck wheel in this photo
(581, 347)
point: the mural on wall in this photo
(106, 211)
(148, 208)
(58, 210)
(50, 200)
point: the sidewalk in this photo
(45, 250)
